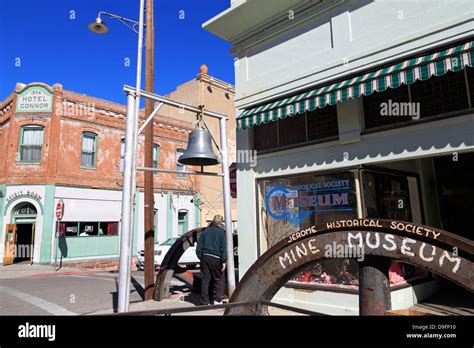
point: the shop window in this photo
(293, 203)
(373, 104)
(440, 95)
(265, 136)
(86, 229)
(322, 123)
(72, 229)
(156, 155)
(31, 144)
(182, 222)
(386, 196)
(455, 189)
(89, 149)
(108, 228)
(122, 154)
(179, 166)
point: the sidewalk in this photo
(175, 301)
(22, 270)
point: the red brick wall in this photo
(61, 151)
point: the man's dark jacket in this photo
(212, 241)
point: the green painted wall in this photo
(88, 246)
(197, 211)
(48, 216)
(169, 216)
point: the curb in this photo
(53, 274)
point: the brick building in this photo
(58, 145)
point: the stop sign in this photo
(60, 210)
(233, 180)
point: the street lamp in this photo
(129, 176)
(99, 26)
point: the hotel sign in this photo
(34, 99)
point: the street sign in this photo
(60, 210)
(233, 180)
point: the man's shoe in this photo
(217, 303)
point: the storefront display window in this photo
(290, 204)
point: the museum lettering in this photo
(333, 199)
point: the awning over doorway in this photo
(406, 72)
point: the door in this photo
(10, 238)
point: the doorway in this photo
(24, 242)
(19, 245)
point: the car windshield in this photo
(169, 241)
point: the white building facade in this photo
(320, 88)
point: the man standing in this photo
(212, 251)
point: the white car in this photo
(189, 257)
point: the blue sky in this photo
(51, 46)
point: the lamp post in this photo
(129, 177)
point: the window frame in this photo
(20, 143)
(156, 162)
(96, 143)
(122, 156)
(184, 222)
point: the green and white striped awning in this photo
(406, 72)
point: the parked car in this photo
(188, 258)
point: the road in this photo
(68, 294)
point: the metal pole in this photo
(167, 101)
(374, 286)
(227, 208)
(56, 241)
(133, 109)
(148, 120)
(125, 235)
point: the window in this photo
(373, 105)
(265, 136)
(179, 166)
(322, 123)
(31, 144)
(89, 148)
(440, 95)
(292, 130)
(122, 154)
(470, 81)
(314, 126)
(420, 100)
(26, 209)
(87, 229)
(156, 155)
(182, 222)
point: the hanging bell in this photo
(199, 151)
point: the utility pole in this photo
(149, 191)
